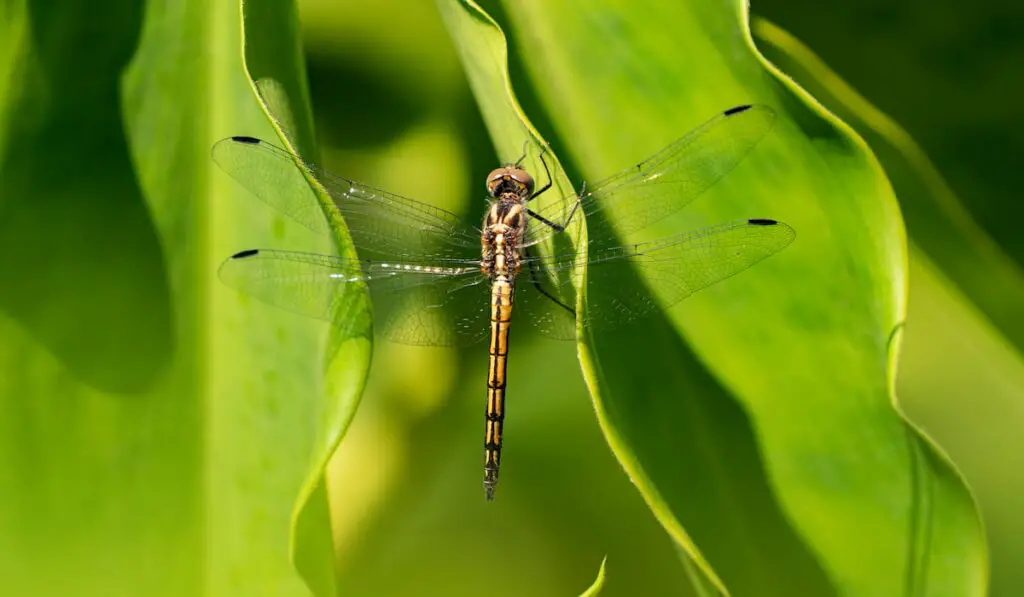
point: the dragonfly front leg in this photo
(547, 171)
(568, 220)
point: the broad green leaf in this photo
(950, 74)
(952, 248)
(277, 74)
(937, 220)
(157, 427)
(770, 451)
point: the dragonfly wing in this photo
(382, 224)
(672, 268)
(671, 179)
(453, 311)
(415, 296)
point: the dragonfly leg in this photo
(559, 227)
(535, 280)
(522, 157)
(547, 171)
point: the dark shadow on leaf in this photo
(687, 432)
(83, 271)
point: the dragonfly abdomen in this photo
(501, 319)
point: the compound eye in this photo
(522, 177)
(495, 178)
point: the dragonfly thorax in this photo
(503, 229)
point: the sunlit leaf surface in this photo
(157, 427)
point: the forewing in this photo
(382, 224)
(431, 304)
(669, 180)
(671, 269)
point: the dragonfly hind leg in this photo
(535, 281)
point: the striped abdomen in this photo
(501, 316)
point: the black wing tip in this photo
(737, 109)
(246, 139)
(245, 253)
(762, 222)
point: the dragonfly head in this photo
(509, 179)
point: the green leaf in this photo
(770, 450)
(959, 375)
(275, 68)
(157, 427)
(937, 219)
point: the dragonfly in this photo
(451, 283)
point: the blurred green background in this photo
(392, 107)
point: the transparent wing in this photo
(669, 180)
(435, 304)
(545, 295)
(382, 224)
(673, 268)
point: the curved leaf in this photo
(782, 467)
(936, 218)
(952, 357)
(156, 426)
(274, 64)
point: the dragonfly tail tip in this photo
(490, 483)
